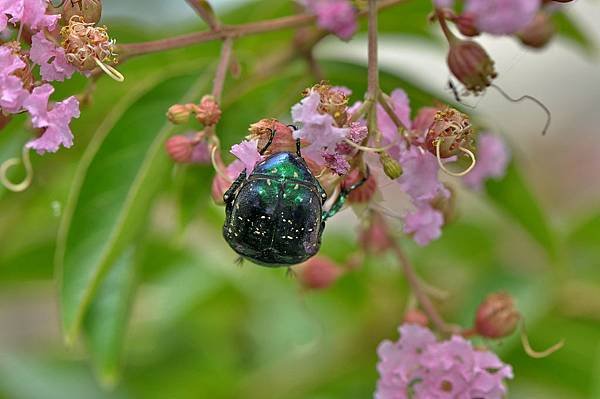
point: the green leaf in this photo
(513, 195)
(106, 320)
(568, 28)
(112, 190)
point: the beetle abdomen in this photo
(275, 222)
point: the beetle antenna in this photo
(293, 127)
(271, 138)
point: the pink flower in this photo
(425, 224)
(502, 17)
(55, 121)
(12, 93)
(492, 160)
(247, 153)
(400, 104)
(437, 370)
(51, 58)
(336, 16)
(420, 175)
(31, 13)
(318, 129)
(424, 119)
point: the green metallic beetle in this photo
(275, 216)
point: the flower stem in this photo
(221, 73)
(373, 71)
(225, 31)
(384, 101)
(419, 292)
(451, 37)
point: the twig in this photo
(205, 11)
(253, 28)
(419, 292)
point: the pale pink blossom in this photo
(247, 153)
(337, 16)
(317, 128)
(54, 119)
(12, 93)
(492, 159)
(419, 366)
(502, 17)
(51, 59)
(31, 13)
(420, 175)
(424, 224)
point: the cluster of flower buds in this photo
(207, 112)
(527, 20)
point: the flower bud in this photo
(179, 114)
(450, 130)
(89, 10)
(415, 316)
(497, 316)
(391, 167)
(539, 32)
(471, 65)
(180, 148)
(283, 140)
(208, 112)
(376, 237)
(365, 192)
(466, 24)
(319, 272)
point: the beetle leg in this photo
(228, 196)
(298, 152)
(271, 137)
(341, 199)
(290, 273)
(239, 261)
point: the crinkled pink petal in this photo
(56, 122)
(51, 58)
(425, 224)
(492, 159)
(502, 17)
(37, 105)
(12, 8)
(12, 93)
(336, 16)
(34, 16)
(247, 152)
(318, 129)
(420, 175)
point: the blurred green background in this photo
(171, 316)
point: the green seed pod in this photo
(391, 167)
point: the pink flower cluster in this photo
(16, 93)
(336, 16)
(420, 366)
